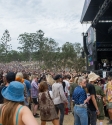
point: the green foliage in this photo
(37, 47)
(4, 46)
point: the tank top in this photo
(17, 114)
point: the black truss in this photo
(101, 11)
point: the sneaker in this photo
(110, 122)
(36, 116)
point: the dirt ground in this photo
(69, 120)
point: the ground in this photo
(69, 120)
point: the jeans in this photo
(69, 101)
(60, 107)
(80, 115)
(92, 117)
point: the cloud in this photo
(59, 19)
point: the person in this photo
(67, 91)
(12, 112)
(28, 87)
(59, 97)
(80, 99)
(47, 108)
(73, 85)
(19, 77)
(34, 95)
(7, 78)
(92, 105)
(104, 65)
(1, 79)
(108, 92)
(99, 66)
(100, 96)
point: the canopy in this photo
(90, 9)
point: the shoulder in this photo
(77, 89)
(24, 109)
(90, 85)
(26, 81)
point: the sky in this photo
(58, 19)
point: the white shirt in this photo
(58, 94)
(66, 87)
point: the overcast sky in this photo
(59, 19)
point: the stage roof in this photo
(90, 9)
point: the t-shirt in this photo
(67, 86)
(64, 85)
(91, 91)
(72, 87)
(28, 86)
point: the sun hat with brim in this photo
(92, 77)
(14, 92)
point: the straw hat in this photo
(92, 77)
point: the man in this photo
(28, 87)
(34, 95)
(7, 78)
(59, 97)
(80, 99)
(92, 105)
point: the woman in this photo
(12, 112)
(47, 108)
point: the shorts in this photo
(109, 105)
(35, 101)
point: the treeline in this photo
(37, 47)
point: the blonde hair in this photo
(33, 77)
(80, 80)
(19, 77)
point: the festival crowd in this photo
(28, 94)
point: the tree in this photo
(28, 44)
(4, 43)
(68, 54)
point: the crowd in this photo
(23, 92)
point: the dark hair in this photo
(43, 86)
(65, 77)
(10, 77)
(26, 76)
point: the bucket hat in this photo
(92, 77)
(14, 92)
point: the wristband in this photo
(97, 110)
